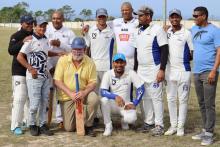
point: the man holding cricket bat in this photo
(67, 67)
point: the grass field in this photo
(120, 138)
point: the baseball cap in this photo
(40, 20)
(143, 10)
(175, 11)
(78, 43)
(27, 19)
(101, 11)
(129, 116)
(119, 56)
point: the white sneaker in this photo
(124, 125)
(170, 131)
(199, 136)
(108, 130)
(180, 131)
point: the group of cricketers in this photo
(149, 57)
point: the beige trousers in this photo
(68, 111)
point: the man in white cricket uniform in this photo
(124, 29)
(152, 53)
(178, 73)
(60, 39)
(115, 89)
(100, 43)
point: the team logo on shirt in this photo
(94, 35)
(38, 60)
(124, 29)
(124, 37)
(168, 35)
(185, 87)
(17, 83)
(199, 34)
(113, 81)
(155, 85)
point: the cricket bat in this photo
(50, 106)
(79, 113)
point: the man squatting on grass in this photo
(117, 100)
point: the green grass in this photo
(119, 138)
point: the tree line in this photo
(13, 14)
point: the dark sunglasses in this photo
(196, 16)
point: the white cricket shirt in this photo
(36, 51)
(101, 45)
(180, 45)
(121, 86)
(65, 36)
(148, 42)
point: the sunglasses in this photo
(196, 16)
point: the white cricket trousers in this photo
(178, 86)
(108, 107)
(20, 105)
(153, 103)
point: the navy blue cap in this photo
(119, 56)
(40, 20)
(101, 11)
(78, 43)
(27, 19)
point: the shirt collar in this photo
(39, 37)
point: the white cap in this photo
(129, 116)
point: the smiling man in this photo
(206, 59)
(178, 73)
(115, 87)
(60, 39)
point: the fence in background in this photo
(77, 25)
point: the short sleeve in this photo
(59, 71)
(26, 48)
(105, 81)
(161, 37)
(136, 79)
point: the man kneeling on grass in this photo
(117, 99)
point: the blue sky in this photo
(113, 6)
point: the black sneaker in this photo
(45, 130)
(145, 128)
(96, 122)
(90, 132)
(34, 130)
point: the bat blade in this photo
(50, 106)
(80, 130)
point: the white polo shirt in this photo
(124, 32)
(65, 36)
(36, 51)
(101, 45)
(121, 86)
(180, 45)
(148, 51)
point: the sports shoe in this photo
(24, 126)
(108, 129)
(60, 125)
(199, 136)
(34, 130)
(124, 125)
(170, 131)
(45, 130)
(145, 128)
(207, 139)
(180, 131)
(157, 131)
(18, 131)
(90, 132)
